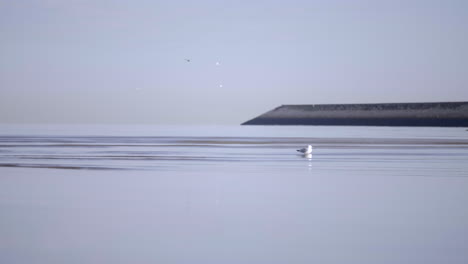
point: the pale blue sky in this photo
(123, 61)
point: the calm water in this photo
(221, 194)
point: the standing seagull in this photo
(307, 150)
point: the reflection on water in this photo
(307, 156)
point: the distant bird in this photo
(187, 60)
(307, 150)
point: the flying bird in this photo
(307, 150)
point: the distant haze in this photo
(223, 62)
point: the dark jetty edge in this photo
(438, 114)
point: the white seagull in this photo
(307, 150)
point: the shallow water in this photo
(215, 194)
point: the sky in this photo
(125, 61)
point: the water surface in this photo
(221, 194)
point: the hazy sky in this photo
(123, 61)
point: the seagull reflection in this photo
(309, 158)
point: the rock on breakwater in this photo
(440, 114)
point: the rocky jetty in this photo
(439, 114)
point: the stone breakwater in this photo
(438, 114)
